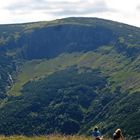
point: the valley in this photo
(68, 76)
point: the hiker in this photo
(118, 135)
(97, 134)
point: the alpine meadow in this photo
(69, 75)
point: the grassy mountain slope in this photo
(109, 61)
(57, 66)
(70, 101)
(78, 34)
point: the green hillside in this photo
(69, 75)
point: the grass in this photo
(49, 137)
(120, 70)
(35, 69)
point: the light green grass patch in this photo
(116, 66)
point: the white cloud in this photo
(138, 7)
(12, 11)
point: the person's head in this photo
(96, 128)
(118, 131)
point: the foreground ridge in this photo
(49, 137)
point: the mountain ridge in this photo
(59, 58)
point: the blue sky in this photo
(18, 11)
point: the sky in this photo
(21, 11)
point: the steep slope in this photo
(68, 35)
(78, 72)
(6, 68)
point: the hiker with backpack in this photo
(118, 135)
(97, 134)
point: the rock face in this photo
(68, 75)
